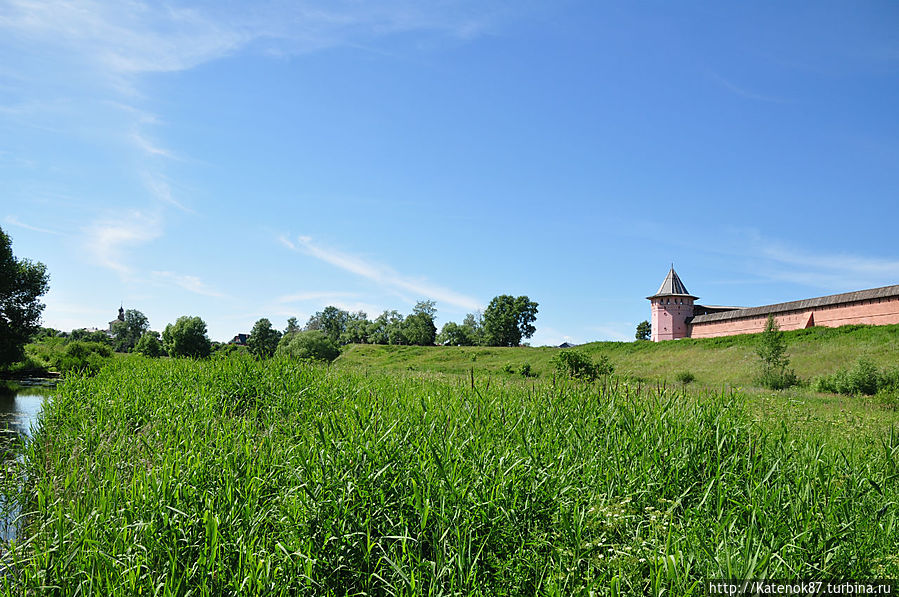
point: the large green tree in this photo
(186, 338)
(419, 327)
(263, 338)
(508, 319)
(149, 345)
(313, 344)
(22, 283)
(126, 333)
(331, 320)
(454, 334)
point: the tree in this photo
(312, 344)
(644, 330)
(22, 283)
(149, 345)
(263, 338)
(356, 330)
(125, 334)
(509, 319)
(454, 334)
(331, 320)
(82, 335)
(474, 327)
(387, 328)
(293, 326)
(772, 351)
(419, 328)
(186, 338)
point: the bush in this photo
(85, 357)
(149, 345)
(577, 364)
(526, 371)
(507, 368)
(685, 377)
(863, 378)
(314, 344)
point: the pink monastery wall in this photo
(878, 311)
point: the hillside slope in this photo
(730, 360)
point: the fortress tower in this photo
(672, 305)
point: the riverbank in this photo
(234, 477)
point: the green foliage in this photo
(83, 357)
(332, 321)
(453, 334)
(237, 477)
(509, 319)
(575, 363)
(508, 368)
(772, 350)
(293, 326)
(356, 330)
(685, 377)
(525, 370)
(388, 328)
(186, 338)
(22, 283)
(63, 356)
(125, 334)
(863, 378)
(149, 345)
(99, 336)
(263, 340)
(314, 345)
(419, 328)
(644, 330)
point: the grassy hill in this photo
(714, 361)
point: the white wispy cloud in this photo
(160, 188)
(745, 93)
(108, 241)
(381, 274)
(190, 283)
(14, 221)
(320, 295)
(774, 259)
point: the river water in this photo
(21, 402)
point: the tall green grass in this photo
(238, 477)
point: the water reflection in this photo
(20, 404)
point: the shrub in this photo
(507, 368)
(526, 371)
(577, 364)
(86, 357)
(314, 344)
(863, 378)
(149, 345)
(685, 377)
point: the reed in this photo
(240, 477)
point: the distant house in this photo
(567, 345)
(240, 339)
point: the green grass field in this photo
(714, 361)
(236, 477)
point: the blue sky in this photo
(238, 160)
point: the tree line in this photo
(505, 322)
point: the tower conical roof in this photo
(672, 286)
